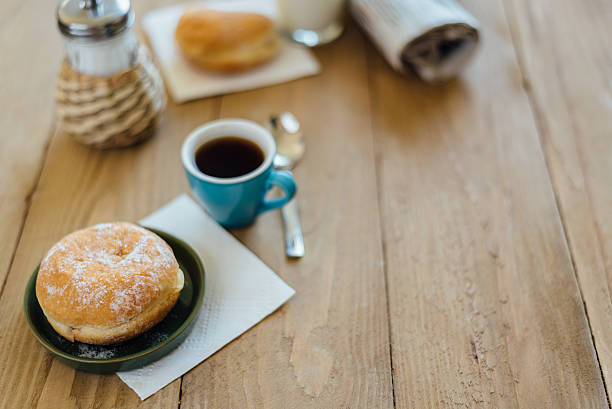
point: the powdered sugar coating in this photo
(89, 351)
(104, 275)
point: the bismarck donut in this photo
(226, 41)
(108, 283)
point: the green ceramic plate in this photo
(137, 352)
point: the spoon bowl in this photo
(287, 133)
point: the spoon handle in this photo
(294, 241)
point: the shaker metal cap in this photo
(94, 19)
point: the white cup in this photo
(312, 22)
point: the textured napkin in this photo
(240, 290)
(186, 82)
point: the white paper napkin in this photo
(240, 290)
(186, 82)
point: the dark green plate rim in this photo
(126, 358)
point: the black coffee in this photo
(228, 157)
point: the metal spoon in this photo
(289, 150)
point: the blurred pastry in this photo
(108, 283)
(226, 41)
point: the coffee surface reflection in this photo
(228, 157)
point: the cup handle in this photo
(284, 180)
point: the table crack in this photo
(28, 205)
(377, 172)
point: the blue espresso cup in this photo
(236, 202)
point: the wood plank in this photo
(484, 305)
(566, 54)
(80, 187)
(328, 347)
(26, 117)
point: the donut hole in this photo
(124, 245)
(120, 251)
(119, 248)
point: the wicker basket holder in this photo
(111, 112)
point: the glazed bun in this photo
(108, 283)
(226, 41)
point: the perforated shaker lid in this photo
(94, 19)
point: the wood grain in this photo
(484, 306)
(27, 85)
(328, 347)
(568, 66)
(438, 193)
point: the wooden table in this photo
(459, 236)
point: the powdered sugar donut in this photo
(108, 283)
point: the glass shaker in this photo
(109, 92)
